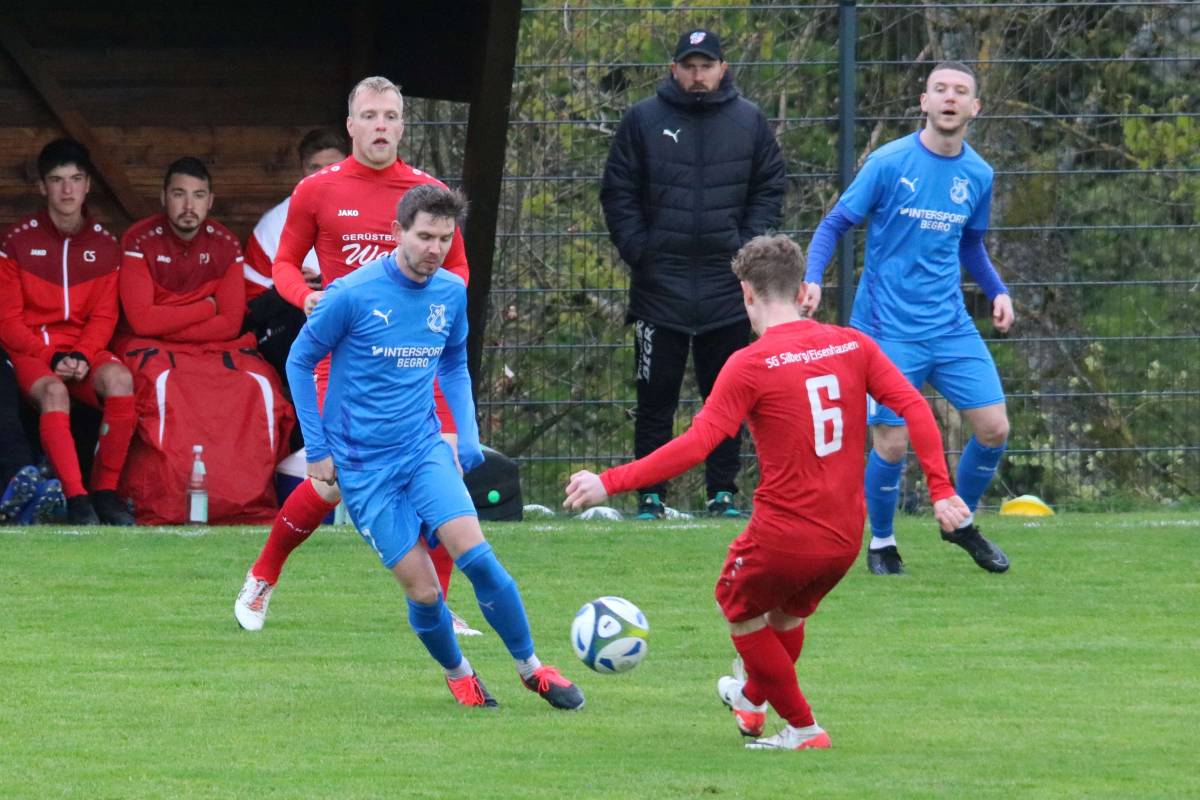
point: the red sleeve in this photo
(456, 257)
(256, 257)
(97, 332)
(145, 317)
(231, 308)
(889, 387)
(673, 458)
(733, 394)
(298, 237)
(15, 335)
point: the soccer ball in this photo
(609, 634)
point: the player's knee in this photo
(423, 594)
(994, 433)
(891, 443)
(483, 569)
(423, 615)
(116, 382)
(55, 397)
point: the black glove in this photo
(57, 357)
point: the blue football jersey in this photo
(389, 337)
(919, 203)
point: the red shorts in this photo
(756, 580)
(31, 370)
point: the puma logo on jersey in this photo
(375, 312)
(347, 212)
(911, 184)
(673, 134)
(37, 252)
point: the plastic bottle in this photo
(198, 488)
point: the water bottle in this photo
(198, 488)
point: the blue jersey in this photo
(919, 203)
(389, 337)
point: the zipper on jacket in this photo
(66, 285)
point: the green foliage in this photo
(1089, 116)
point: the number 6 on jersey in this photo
(821, 443)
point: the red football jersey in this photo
(60, 292)
(802, 387)
(165, 282)
(345, 213)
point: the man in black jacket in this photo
(693, 174)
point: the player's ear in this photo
(747, 293)
(396, 230)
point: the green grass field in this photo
(123, 674)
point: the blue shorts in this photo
(393, 506)
(959, 367)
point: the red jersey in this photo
(166, 282)
(345, 212)
(802, 387)
(60, 292)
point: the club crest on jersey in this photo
(437, 317)
(958, 192)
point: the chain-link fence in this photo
(1090, 120)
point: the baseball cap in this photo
(699, 41)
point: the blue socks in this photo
(882, 487)
(498, 599)
(976, 467)
(436, 631)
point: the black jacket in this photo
(689, 179)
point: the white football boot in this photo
(750, 719)
(790, 738)
(250, 608)
(461, 627)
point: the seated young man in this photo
(802, 387)
(181, 275)
(57, 315)
(198, 380)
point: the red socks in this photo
(444, 564)
(116, 429)
(792, 641)
(301, 514)
(771, 675)
(54, 429)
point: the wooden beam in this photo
(483, 163)
(72, 121)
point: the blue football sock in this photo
(498, 598)
(882, 486)
(435, 629)
(975, 470)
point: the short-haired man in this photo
(345, 212)
(693, 173)
(928, 196)
(59, 308)
(802, 387)
(391, 326)
(275, 321)
(181, 275)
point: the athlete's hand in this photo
(311, 301)
(311, 278)
(951, 512)
(82, 368)
(811, 299)
(1002, 313)
(584, 490)
(323, 470)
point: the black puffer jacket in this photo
(690, 178)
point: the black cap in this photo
(699, 41)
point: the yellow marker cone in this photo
(1026, 505)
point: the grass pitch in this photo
(123, 674)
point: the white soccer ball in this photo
(609, 634)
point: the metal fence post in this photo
(847, 116)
